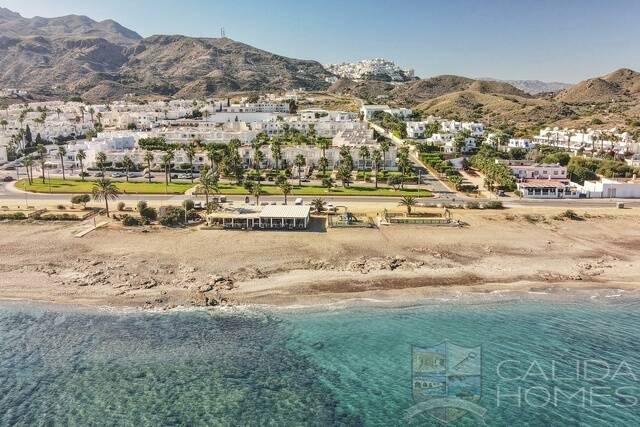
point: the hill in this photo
(77, 56)
(532, 87)
(622, 85)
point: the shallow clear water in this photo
(343, 367)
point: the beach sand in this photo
(512, 250)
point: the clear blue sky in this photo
(561, 40)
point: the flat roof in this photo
(545, 183)
(285, 211)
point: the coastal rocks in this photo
(366, 265)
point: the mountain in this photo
(532, 87)
(622, 85)
(77, 56)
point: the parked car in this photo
(118, 174)
(305, 180)
(135, 175)
(298, 201)
(99, 174)
(7, 179)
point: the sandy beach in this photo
(523, 250)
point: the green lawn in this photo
(57, 185)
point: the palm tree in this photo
(58, 112)
(569, 134)
(91, 112)
(148, 158)
(99, 117)
(208, 183)
(276, 153)
(408, 202)
(101, 161)
(104, 189)
(214, 156)
(376, 158)
(324, 143)
(364, 154)
(323, 163)
(81, 155)
(299, 162)
(318, 204)
(82, 110)
(384, 148)
(4, 123)
(42, 152)
(127, 163)
(166, 160)
(190, 151)
(286, 188)
(27, 161)
(256, 191)
(61, 153)
(258, 158)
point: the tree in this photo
(81, 199)
(61, 153)
(276, 152)
(324, 143)
(384, 148)
(82, 110)
(403, 160)
(258, 158)
(91, 113)
(4, 123)
(376, 159)
(101, 161)
(28, 137)
(364, 154)
(166, 160)
(81, 156)
(323, 163)
(256, 191)
(299, 162)
(214, 156)
(286, 188)
(318, 204)
(148, 158)
(42, 152)
(104, 189)
(27, 161)
(127, 164)
(190, 151)
(58, 112)
(408, 202)
(208, 184)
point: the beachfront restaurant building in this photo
(269, 217)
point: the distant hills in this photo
(77, 56)
(533, 87)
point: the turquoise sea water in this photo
(63, 366)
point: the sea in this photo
(507, 362)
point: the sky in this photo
(560, 40)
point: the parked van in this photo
(298, 201)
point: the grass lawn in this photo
(57, 185)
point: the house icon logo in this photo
(446, 382)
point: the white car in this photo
(298, 201)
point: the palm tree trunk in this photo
(149, 171)
(42, 166)
(62, 166)
(299, 178)
(192, 172)
(81, 170)
(106, 205)
(376, 178)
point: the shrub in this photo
(188, 204)
(121, 206)
(148, 213)
(60, 207)
(493, 204)
(81, 199)
(568, 214)
(472, 205)
(13, 216)
(130, 221)
(58, 217)
(141, 205)
(172, 216)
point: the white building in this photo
(548, 189)
(528, 169)
(612, 188)
(523, 143)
